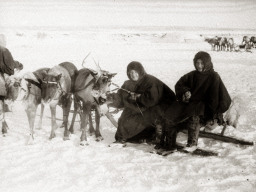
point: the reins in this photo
(130, 92)
(118, 87)
(34, 83)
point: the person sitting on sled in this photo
(140, 97)
(202, 97)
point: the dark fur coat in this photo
(209, 96)
(137, 116)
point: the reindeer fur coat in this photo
(142, 113)
(209, 96)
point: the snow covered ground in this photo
(164, 36)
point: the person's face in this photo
(199, 65)
(134, 75)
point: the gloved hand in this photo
(134, 96)
(186, 96)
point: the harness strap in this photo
(34, 83)
(96, 101)
(85, 86)
(63, 92)
(38, 79)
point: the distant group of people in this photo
(248, 42)
(151, 110)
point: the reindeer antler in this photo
(85, 59)
(97, 64)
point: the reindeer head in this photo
(13, 88)
(102, 82)
(51, 87)
(102, 85)
(23, 90)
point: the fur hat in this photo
(137, 66)
(206, 58)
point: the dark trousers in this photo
(170, 131)
(193, 126)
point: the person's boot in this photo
(171, 139)
(193, 133)
(6, 108)
(4, 127)
(159, 140)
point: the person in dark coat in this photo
(7, 67)
(142, 98)
(202, 97)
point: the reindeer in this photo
(30, 95)
(223, 44)
(57, 89)
(90, 90)
(214, 42)
(12, 86)
(230, 44)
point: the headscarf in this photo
(206, 58)
(137, 66)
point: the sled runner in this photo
(223, 138)
(118, 145)
(180, 148)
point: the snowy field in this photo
(164, 36)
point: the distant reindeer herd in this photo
(227, 43)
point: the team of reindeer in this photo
(228, 44)
(61, 85)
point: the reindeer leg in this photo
(71, 128)
(97, 120)
(39, 126)
(66, 109)
(3, 129)
(31, 114)
(91, 128)
(84, 122)
(53, 121)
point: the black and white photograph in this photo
(127, 95)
